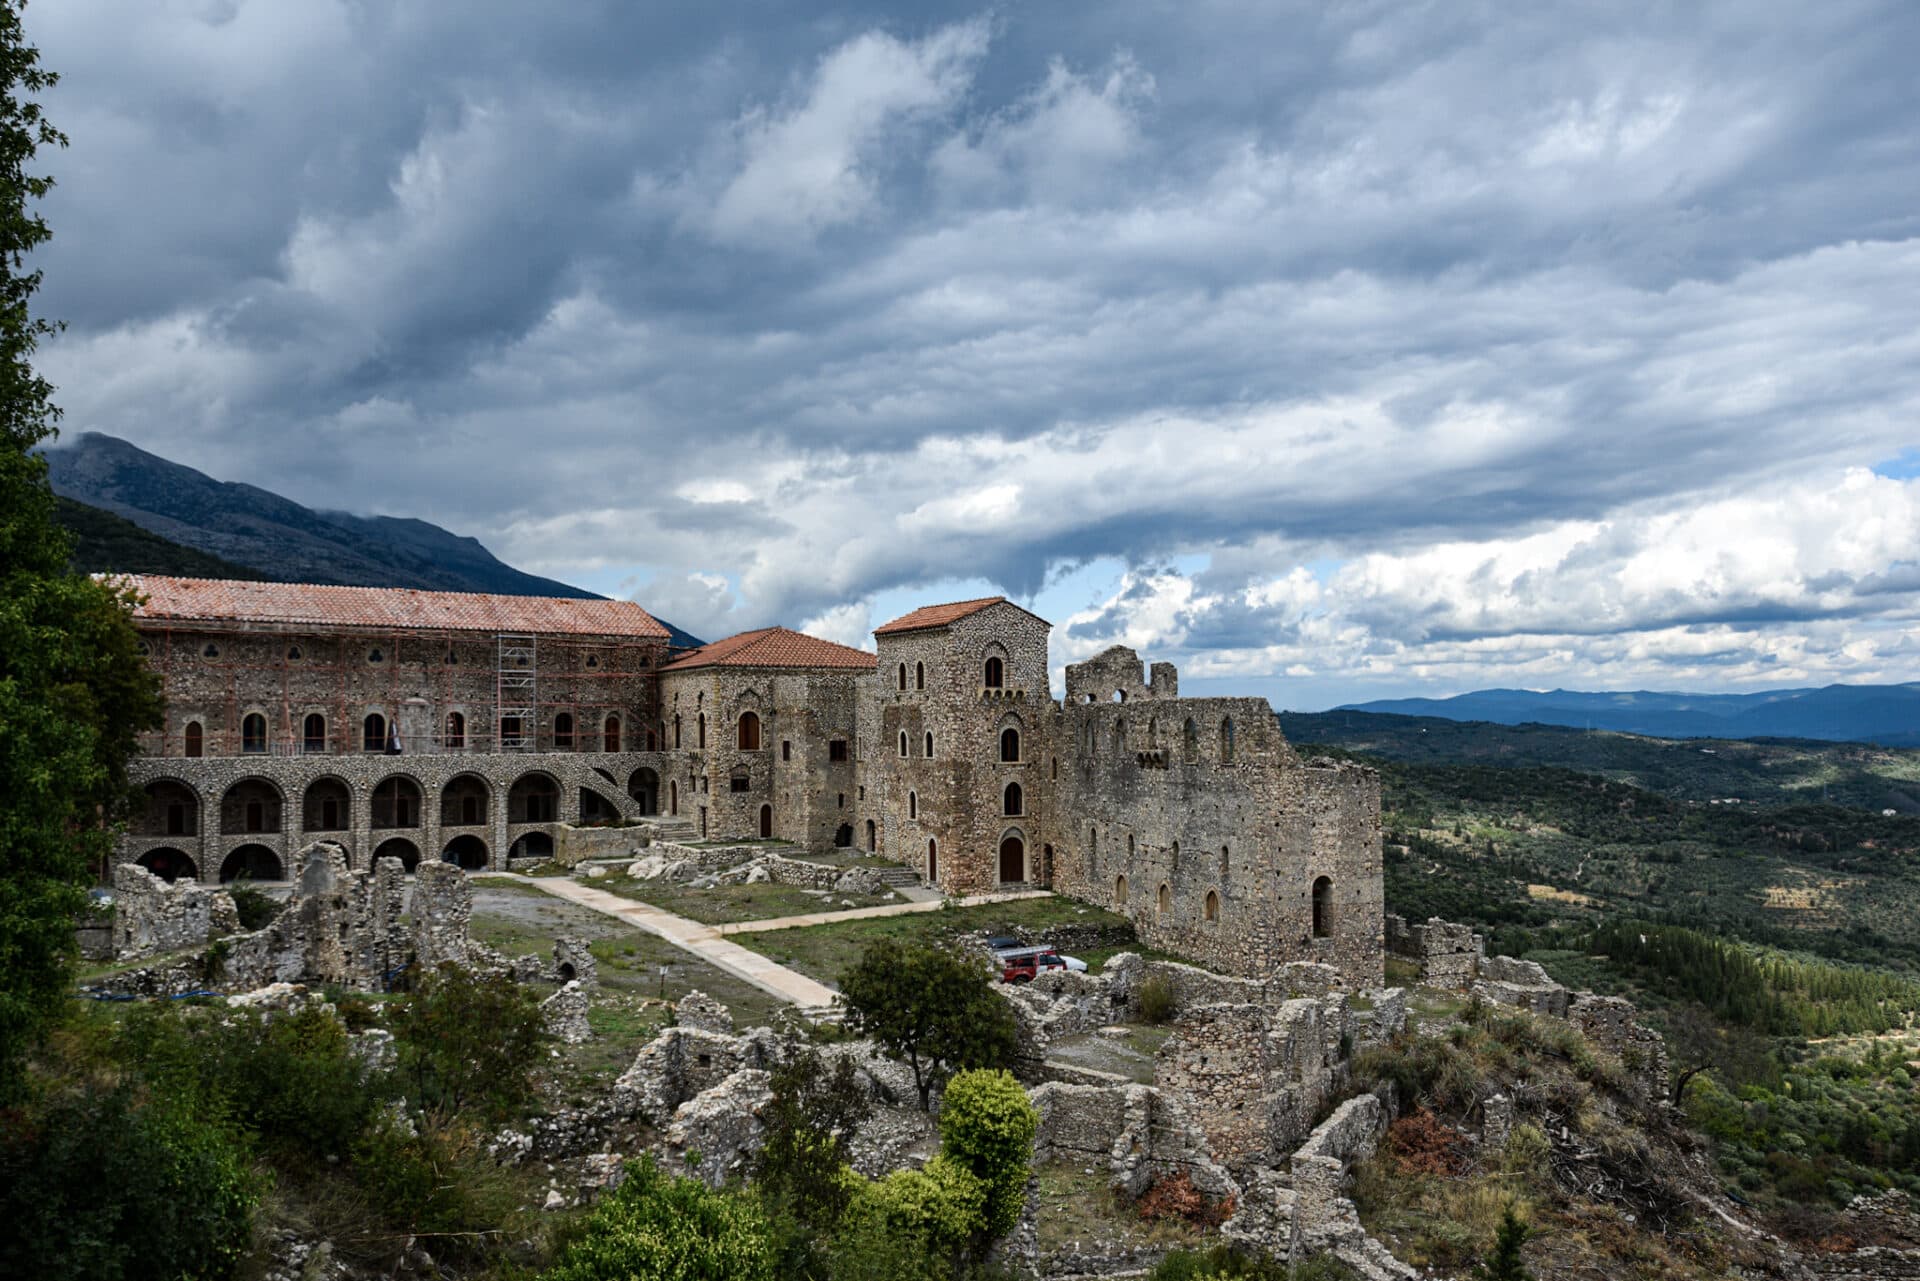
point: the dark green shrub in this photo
(256, 908)
(1155, 999)
(295, 1083)
(468, 1041)
(112, 1185)
(439, 1184)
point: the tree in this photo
(1504, 1263)
(468, 1040)
(75, 692)
(654, 1227)
(801, 1171)
(933, 1007)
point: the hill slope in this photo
(1885, 714)
(274, 535)
(106, 543)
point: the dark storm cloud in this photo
(834, 303)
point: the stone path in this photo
(707, 943)
(864, 913)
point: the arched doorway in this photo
(843, 837)
(396, 803)
(595, 809)
(766, 822)
(534, 798)
(933, 862)
(398, 847)
(1119, 891)
(1323, 908)
(169, 864)
(172, 810)
(251, 805)
(464, 801)
(466, 851)
(327, 806)
(254, 862)
(644, 787)
(532, 845)
(673, 797)
(873, 839)
(1013, 860)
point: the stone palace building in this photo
(476, 729)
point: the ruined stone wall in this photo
(1448, 953)
(1253, 1077)
(956, 797)
(1193, 818)
(152, 916)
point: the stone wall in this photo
(1448, 954)
(150, 916)
(1253, 1077)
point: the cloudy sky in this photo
(1334, 351)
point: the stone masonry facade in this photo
(479, 730)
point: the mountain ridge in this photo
(1888, 715)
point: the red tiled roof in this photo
(940, 615)
(401, 608)
(774, 647)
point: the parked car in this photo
(1021, 964)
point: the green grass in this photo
(1078, 1213)
(824, 952)
(723, 904)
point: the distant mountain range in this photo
(1884, 714)
(197, 526)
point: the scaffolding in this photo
(516, 697)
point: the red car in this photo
(1021, 965)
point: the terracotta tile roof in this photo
(222, 600)
(774, 647)
(940, 615)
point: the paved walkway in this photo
(707, 943)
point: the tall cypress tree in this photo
(74, 690)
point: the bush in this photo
(657, 1228)
(941, 1208)
(256, 909)
(469, 1041)
(436, 1182)
(1155, 999)
(295, 1082)
(112, 1186)
(1175, 1197)
(987, 1126)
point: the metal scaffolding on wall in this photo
(516, 698)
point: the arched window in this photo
(253, 734)
(995, 676)
(913, 805)
(1119, 736)
(653, 740)
(194, 739)
(456, 731)
(1166, 900)
(933, 862)
(903, 744)
(1190, 739)
(1129, 845)
(610, 734)
(211, 651)
(293, 653)
(1010, 745)
(1213, 905)
(1323, 908)
(1175, 851)
(373, 733)
(703, 730)
(1119, 891)
(512, 733)
(903, 676)
(563, 731)
(1223, 863)
(749, 732)
(1053, 767)
(676, 731)
(919, 675)
(1012, 799)
(1226, 739)
(929, 747)
(313, 734)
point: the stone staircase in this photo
(896, 877)
(678, 831)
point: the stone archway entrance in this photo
(1013, 860)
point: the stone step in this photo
(896, 876)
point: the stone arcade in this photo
(480, 729)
